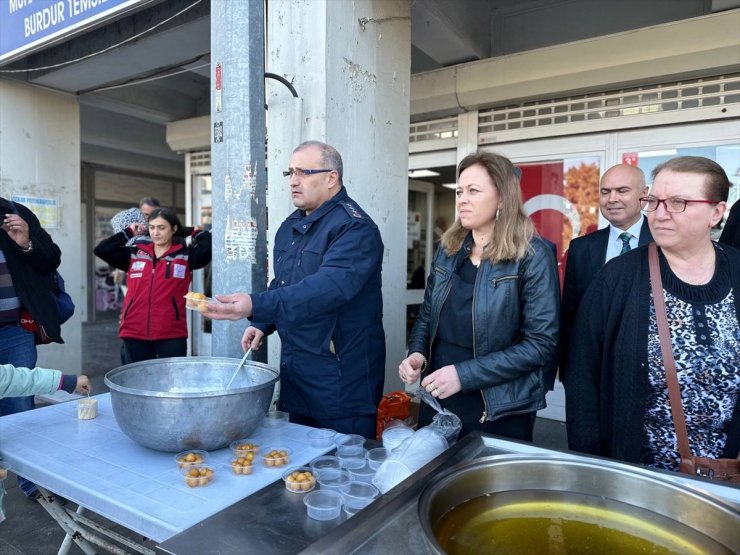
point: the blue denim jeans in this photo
(18, 347)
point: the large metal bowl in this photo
(174, 404)
(702, 522)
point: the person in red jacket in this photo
(159, 273)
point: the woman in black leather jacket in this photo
(488, 326)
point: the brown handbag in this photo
(718, 469)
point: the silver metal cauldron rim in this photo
(438, 483)
(166, 394)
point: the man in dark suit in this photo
(619, 201)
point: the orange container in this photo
(393, 406)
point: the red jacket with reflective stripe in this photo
(154, 307)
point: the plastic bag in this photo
(446, 422)
(415, 451)
(395, 433)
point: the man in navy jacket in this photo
(619, 201)
(325, 301)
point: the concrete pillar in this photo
(40, 159)
(350, 63)
(237, 158)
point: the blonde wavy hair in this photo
(513, 230)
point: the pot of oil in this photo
(528, 504)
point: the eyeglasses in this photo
(300, 172)
(650, 204)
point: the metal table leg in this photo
(90, 536)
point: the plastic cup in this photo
(351, 508)
(362, 473)
(299, 479)
(275, 418)
(322, 464)
(198, 475)
(334, 479)
(321, 438)
(375, 457)
(323, 504)
(393, 437)
(276, 457)
(87, 409)
(190, 458)
(348, 458)
(359, 492)
(349, 443)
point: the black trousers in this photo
(140, 349)
(468, 406)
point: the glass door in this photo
(200, 328)
(419, 246)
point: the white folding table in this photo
(94, 464)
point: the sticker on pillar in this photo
(218, 132)
(219, 85)
(249, 182)
(228, 189)
(241, 240)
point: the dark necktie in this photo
(625, 238)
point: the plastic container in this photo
(359, 492)
(346, 459)
(376, 456)
(198, 301)
(244, 448)
(190, 458)
(275, 418)
(323, 504)
(242, 467)
(349, 443)
(351, 464)
(394, 436)
(87, 409)
(351, 508)
(321, 438)
(276, 457)
(198, 475)
(322, 464)
(299, 479)
(362, 473)
(334, 479)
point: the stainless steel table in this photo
(275, 521)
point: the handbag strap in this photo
(666, 349)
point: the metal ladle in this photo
(244, 359)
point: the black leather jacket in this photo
(515, 326)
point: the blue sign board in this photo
(27, 25)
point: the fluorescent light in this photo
(422, 173)
(649, 153)
(450, 185)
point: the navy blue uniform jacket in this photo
(327, 306)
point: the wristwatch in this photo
(29, 248)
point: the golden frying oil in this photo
(550, 522)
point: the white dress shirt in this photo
(614, 247)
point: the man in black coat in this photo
(619, 201)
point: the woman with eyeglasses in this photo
(488, 327)
(616, 390)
